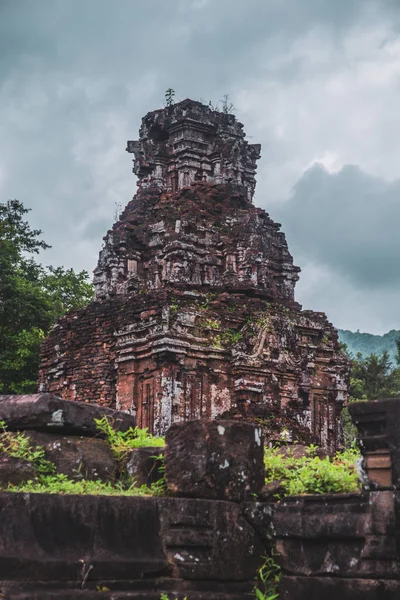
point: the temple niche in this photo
(195, 315)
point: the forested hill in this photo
(367, 343)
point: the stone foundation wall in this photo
(69, 546)
(207, 539)
(348, 547)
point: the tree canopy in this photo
(373, 377)
(32, 297)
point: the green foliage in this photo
(121, 442)
(31, 298)
(217, 341)
(67, 290)
(17, 445)
(311, 474)
(372, 377)
(224, 337)
(231, 336)
(165, 597)
(263, 322)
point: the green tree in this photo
(31, 298)
(373, 377)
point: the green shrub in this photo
(121, 442)
(311, 474)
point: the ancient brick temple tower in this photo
(195, 313)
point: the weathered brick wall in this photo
(168, 357)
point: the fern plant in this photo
(123, 441)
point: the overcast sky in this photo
(316, 82)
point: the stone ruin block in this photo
(378, 429)
(143, 464)
(214, 459)
(333, 588)
(347, 545)
(78, 457)
(15, 470)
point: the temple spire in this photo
(188, 142)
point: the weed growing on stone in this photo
(269, 576)
(212, 324)
(231, 336)
(311, 474)
(121, 442)
(173, 308)
(18, 445)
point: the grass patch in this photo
(60, 484)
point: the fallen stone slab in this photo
(45, 412)
(214, 459)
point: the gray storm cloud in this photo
(307, 79)
(347, 221)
